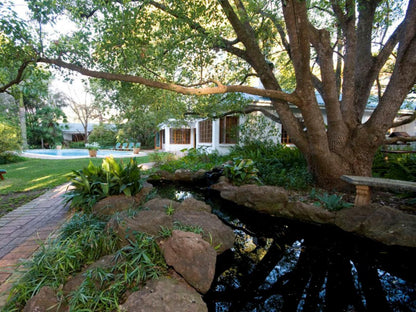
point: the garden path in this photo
(24, 229)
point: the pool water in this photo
(76, 153)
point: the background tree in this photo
(336, 49)
(104, 135)
(85, 113)
(44, 127)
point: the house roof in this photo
(76, 127)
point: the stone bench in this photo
(2, 171)
(363, 184)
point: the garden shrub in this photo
(79, 144)
(242, 171)
(194, 160)
(10, 157)
(277, 164)
(9, 136)
(93, 183)
(395, 166)
(103, 135)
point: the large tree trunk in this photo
(328, 168)
(22, 120)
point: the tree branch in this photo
(400, 139)
(247, 110)
(403, 78)
(220, 89)
(404, 121)
(18, 79)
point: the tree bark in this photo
(22, 120)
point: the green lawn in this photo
(35, 174)
(28, 179)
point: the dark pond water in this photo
(282, 265)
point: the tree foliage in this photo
(44, 128)
(9, 136)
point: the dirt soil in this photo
(12, 201)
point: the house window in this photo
(180, 136)
(205, 131)
(285, 139)
(229, 130)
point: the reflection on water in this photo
(281, 265)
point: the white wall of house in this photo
(214, 145)
(176, 148)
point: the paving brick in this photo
(4, 277)
(24, 229)
(5, 250)
(7, 264)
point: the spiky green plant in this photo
(93, 183)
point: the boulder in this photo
(150, 219)
(112, 204)
(73, 283)
(264, 198)
(44, 301)
(146, 221)
(165, 295)
(160, 204)
(381, 223)
(192, 204)
(185, 175)
(307, 213)
(192, 257)
(117, 203)
(215, 232)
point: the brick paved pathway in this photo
(24, 228)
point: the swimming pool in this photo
(77, 153)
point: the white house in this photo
(224, 132)
(74, 132)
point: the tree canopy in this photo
(295, 48)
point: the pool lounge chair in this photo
(131, 146)
(2, 171)
(124, 146)
(118, 146)
(138, 145)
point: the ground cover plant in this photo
(80, 242)
(30, 178)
